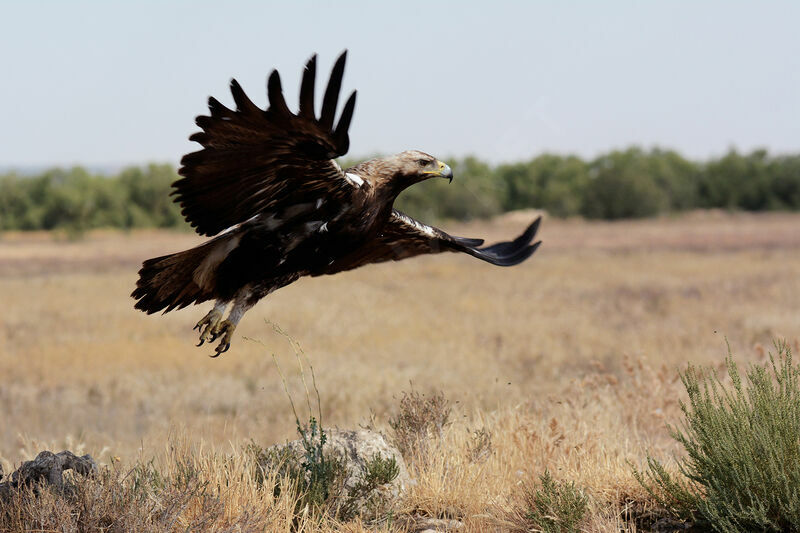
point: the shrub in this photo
(742, 469)
(378, 471)
(554, 507)
(316, 478)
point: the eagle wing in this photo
(405, 237)
(255, 161)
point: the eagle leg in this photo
(208, 325)
(223, 329)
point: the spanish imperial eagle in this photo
(266, 186)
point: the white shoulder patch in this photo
(354, 179)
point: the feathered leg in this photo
(224, 329)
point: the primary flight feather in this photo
(267, 187)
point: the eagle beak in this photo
(442, 171)
(445, 171)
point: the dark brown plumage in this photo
(265, 184)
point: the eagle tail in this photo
(168, 282)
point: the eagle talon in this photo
(224, 332)
(208, 325)
(221, 349)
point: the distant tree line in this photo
(621, 184)
(76, 200)
(632, 183)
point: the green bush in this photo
(675, 176)
(554, 507)
(742, 469)
(784, 175)
(737, 181)
(548, 182)
(75, 200)
(622, 187)
(316, 477)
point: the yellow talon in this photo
(208, 325)
(225, 330)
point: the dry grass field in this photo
(568, 362)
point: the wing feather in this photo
(405, 237)
(307, 89)
(332, 93)
(255, 161)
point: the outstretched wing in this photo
(405, 237)
(255, 161)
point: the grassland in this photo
(569, 361)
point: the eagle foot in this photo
(208, 326)
(224, 330)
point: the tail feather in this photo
(168, 282)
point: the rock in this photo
(435, 525)
(669, 525)
(48, 467)
(355, 450)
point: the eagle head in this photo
(389, 176)
(413, 166)
(394, 173)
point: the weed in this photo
(555, 507)
(419, 419)
(480, 446)
(743, 465)
(378, 471)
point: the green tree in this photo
(674, 175)
(622, 186)
(784, 174)
(738, 181)
(550, 182)
(147, 191)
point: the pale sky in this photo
(112, 83)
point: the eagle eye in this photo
(423, 162)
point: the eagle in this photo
(267, 189)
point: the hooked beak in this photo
(443, 171)
(446, 172)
